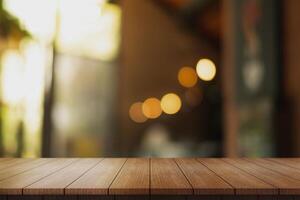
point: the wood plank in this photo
(203, 180)
(97, 180)
(11, 162)
(243, 182)
(5, 159)
(167, 178)
(95, 197)
(204, 197)
(241, 197)
(58, 197)
(286, 185)
(55, 183)
(268, 197)
(132, 197)
(169, 197)
(22, 167)
(294, 163)
(277, 167)
(14, 185)
(133, 179)
(24, 197)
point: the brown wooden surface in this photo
(134, 178)
(57, 182)
(4, 159)
(285, 184)
(243, 182)
(15, 184)
(203, 180)
(167, 178)
(18, 168)
(140, 178)
(98, 179)
(294, 163)
(5, 163)
(280, 168)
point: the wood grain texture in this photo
(286, 185)
(144, 179)
(58, 197)
(15, 184)
(277, 167)
(18, 168)
(132, 197)
(242, 197)
(204, 197)
(294, 163)
(203, 180)
(243, 182)
(167, 178)
(11, 162)
(97, 180)
(95, 197)
(23, 197)
(134, 178)
(55, 183)
(169, 197)
(5, 159)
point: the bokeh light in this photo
(187, 77)
(170, 103)
(206, 69)
(151, 108)
(136, 113)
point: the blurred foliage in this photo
(10, 27)
(11, 33)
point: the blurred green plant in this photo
(11, 31)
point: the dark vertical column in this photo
(291, 81)
(48, 105)
(230, 117)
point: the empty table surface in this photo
(149, 176)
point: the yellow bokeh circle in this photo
(170, 103)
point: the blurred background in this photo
(166, 78)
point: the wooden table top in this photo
(149, 176)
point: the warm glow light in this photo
(187, 77)
(170, 103)
(206, 69)
(151, 108)
(136, 113)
